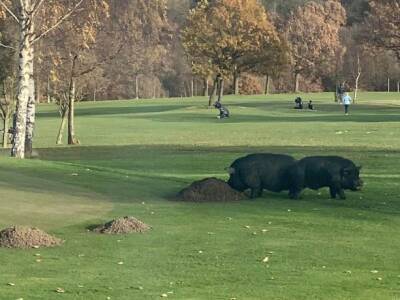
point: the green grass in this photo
(136, 155)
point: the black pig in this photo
(335, 172)
(260, 171)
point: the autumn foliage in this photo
(313, 35)
(228, 36)
(383, 25)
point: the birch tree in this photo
(72, 50)
(35, 19)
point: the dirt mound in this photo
(122, 225)
(209, 190)
(26, 237)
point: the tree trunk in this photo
(62, 126)
(213, 91)
(48, 90)
(398, 86)
(205, 87)
(137, 87)
(267, 83)
(336, 92)
(25, 83)
(356, 87)
(30, 119)
(357, 78)
(236, 78)
(94, 94)
(388, 85)
(221, 89)
(296, 82)
(6, 127)
(192, 87)
(72, 140)
(154, 88)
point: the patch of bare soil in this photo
(27, 237)
(122, 226)
(210, 190)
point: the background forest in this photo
(137, 50)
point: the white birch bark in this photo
(72, 140)
(30, 114)
(357, 78)
(62, 125)
(25, 78)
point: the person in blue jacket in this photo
(346, 101)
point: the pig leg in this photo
(256, 192)
(336, 189)
(294, 194)
(332, 191)
(341, 194)
(296, 182)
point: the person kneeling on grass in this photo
(310, 105)
(298, 103)
(223, 111)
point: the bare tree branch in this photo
(9, 11)
(36, 7)
(60, 20)
(6, 46)
(98, 64)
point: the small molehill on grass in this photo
(122, 225)
(27, 237)
(209, 190)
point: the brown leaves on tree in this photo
(383, 25)
(226, 36)
(313, 35)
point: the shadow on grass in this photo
(325, 112)
(117, 110)
(132, 174)
(306, 116)
(148, 152)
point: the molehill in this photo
(123, 225)
(27, 237)
(210, 190)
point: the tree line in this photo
(63, 51)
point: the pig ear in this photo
(230, 170)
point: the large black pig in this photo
(335, 172)
(261, 171)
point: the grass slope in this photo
(137, 155)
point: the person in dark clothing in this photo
(298, 103)
(310, 105)
(341, 91)
(223, 111)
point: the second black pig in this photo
(315, 172)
